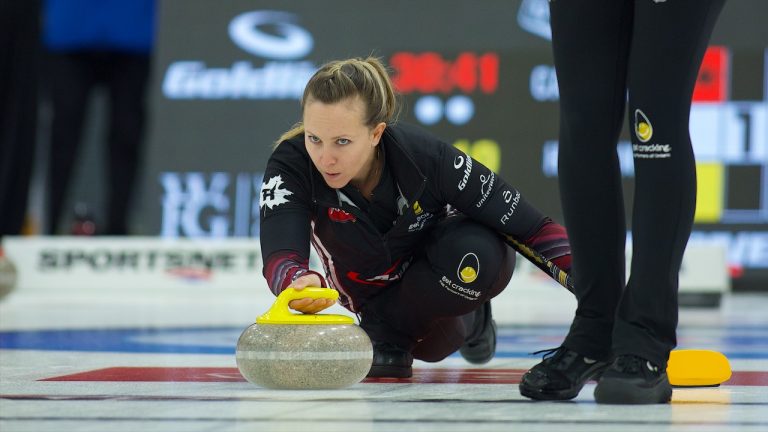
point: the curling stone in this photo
(8, 275)
(284, 350)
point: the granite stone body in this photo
(304, 356)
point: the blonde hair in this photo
(342, 79)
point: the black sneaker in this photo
(390, 361)
(480, 345)
(633, 380)
(560, 376)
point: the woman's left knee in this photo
(472, 259)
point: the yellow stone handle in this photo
(279, 313)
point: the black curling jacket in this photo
(298, 207)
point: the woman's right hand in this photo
(308, 305)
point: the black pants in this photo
(19, 36)
(71, 78)
(604, 49)
(464, 264)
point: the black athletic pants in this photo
(651, 50)
(430, 311)
(72, 77)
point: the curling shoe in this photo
(390, 361)
(633, 380)
(560, 375)
(480, 345)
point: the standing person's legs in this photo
(668, 44)
(590, 40)
(590, 44)
(127, 82)
(70, 78)
(464, 265)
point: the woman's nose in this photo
(327, 158)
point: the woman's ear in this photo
(378, 130)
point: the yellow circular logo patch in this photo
(643, 132)
(468, 268)
(468, 274)
(643, 127)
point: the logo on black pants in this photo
(643, 127)
(469, 268)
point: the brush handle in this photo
(561, 276)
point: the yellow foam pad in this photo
(695, 368)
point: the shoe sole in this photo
(390, 372)
(618, 391)
(565, 394)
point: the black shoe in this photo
(560, 376)
(390, 361)
(633, 380)
(480, 345)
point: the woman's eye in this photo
(313, 139)
(343, 141)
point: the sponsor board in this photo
(217, 204)
(114, 264)
(151, 268)
(283, 74)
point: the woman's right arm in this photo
(285, 218)
(285, 232)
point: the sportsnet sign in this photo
(106, 264)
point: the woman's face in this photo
(341, 146)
